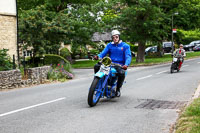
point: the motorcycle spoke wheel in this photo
(94, 92)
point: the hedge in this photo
(64, 52)
(54, 59)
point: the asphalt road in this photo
(150, 102)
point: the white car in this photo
(190, 46)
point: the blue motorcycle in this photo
(104, 83)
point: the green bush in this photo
(185, 37)
(54, 59)
(93, 52)
(5, 60)
(61, 68)
(60, 72)
(154, 55)
(47, 59)
(79, 51)
(33, 62)
(64, 52)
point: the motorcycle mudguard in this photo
(113, 72)
(99, 74)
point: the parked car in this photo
(190, 46)
(167, 47)
(152, 49)
(196, 48)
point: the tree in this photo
(142, 21)
(189, 16)
(39, 29)
(44, 29)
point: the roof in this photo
(105, 36)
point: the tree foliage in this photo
(44, 28)
(185, 37)
(150, 20)
(142, 21)
(189, 16)
(44, 24)
(5, 60)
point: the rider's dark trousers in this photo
(120, 74)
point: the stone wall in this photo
(37, 75)
(13, 78)
(8, 34)
(10, 79)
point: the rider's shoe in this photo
(118, 94)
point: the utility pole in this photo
(172, 31)
(18, 58)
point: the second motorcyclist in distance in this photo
(180, 53)
(120, 53)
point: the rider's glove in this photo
(96, 57)
(125, 67)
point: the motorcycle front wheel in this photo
(94, 92)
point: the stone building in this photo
(105, 37)
(8, 26)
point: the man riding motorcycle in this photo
(180, 53)
(120, 53)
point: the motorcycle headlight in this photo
(106, 61)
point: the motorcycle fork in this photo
(104, 85)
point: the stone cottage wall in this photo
(8, 34)
(13, 78)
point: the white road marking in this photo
(162, 72)
(33, 106)
(185, 65)
(144, 77)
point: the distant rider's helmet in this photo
(115, 32)
(181, 45)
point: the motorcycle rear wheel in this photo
(94, 92)
(172, 68)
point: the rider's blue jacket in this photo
(119, 53)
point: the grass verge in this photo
(189, 120)
(84, 64)
(148, 61)
(164, 59)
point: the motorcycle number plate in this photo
(175, 59)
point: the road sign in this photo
(174, 30)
